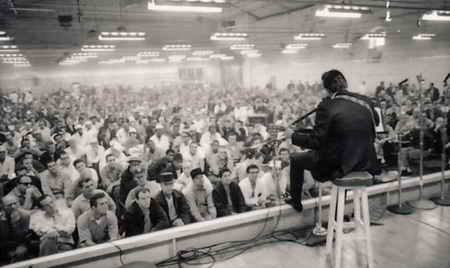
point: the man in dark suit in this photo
(172, 201)
(145, 215)
(228, 197)
(342, 140)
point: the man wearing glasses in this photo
(25, 192)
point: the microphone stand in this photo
(444, 198)
(421, 203)
(318, 235)
(400, 208)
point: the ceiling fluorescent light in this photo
(226, 58)
(342, 11)
(290, 51)
(202, 53)
(309, 36)
(181, 47)
(10, 55)
(217, 56)
(249, 51)
(122, 36)
(8, 49)
(253, 55)
(148, 54)
(373, 36)
(98, 48)
(5, 37)
(242, 46)
(229, 36)
(342, 45)
(181, 6)
(197, 59)
(296, 46)
(423, 36)
(437, 15)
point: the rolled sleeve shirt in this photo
(98, 231)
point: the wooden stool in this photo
(357, 182)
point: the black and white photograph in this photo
(225, 133)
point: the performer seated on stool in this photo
(341, 141)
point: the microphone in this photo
(402, 82)
(446, 78)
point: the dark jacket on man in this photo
(222, 203)
(135, 221)
(343, 137)
(180, 203)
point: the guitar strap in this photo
(361, 103)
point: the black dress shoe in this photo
(297, 205)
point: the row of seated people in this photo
(39, 219)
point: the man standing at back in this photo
(342, 140)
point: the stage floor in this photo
(420, 240)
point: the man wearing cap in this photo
(172, 201)
(200, 198)
(15, 231)
(127, 180)
(342, 139)
(161, 141)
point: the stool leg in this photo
(357, 207)
(331, 221)
(339, 229)
(365, 207)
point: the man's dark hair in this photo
(95, 197)
(77, 161)
(328, 78)
(283, 149)
(252, 166)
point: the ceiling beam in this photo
(284, 12)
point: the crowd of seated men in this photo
(94, 165)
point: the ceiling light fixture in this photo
(437, 15)
(342, 11)
(342, 45)
(203, 6)
(122, 36)
(241, 46)
(249, 51)
(229, 36)
(309, 36)
(98, 48)
(197, 59)
(5, 37)
(296, 46)
(202, 53)
(12, 48)
(290, 51)
(253, 55)
(10, 55)
(375, 39)
(179, 47)
(423, 36)
(148, 54)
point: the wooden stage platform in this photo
(420, 240)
